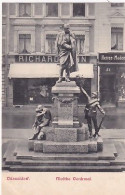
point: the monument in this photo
(67, 145)
(66, 135)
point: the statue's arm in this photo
(100, 109)
(66, 46)
(73, 35)
(85, 93)
(46, 118)
(35, 122)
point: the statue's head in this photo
(66, 28)
(39, 108)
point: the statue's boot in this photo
(34, 136)
(41, 136)
(90, 135)
(67, 79)
(59, 80)
(96, 134)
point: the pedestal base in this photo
(93, 145)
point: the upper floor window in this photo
(78, 9)
(80, 43)
(52, 9)
(50, 43)
(24, 43)
(116, 38)
(117, 4)
(24, 9)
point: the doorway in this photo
(108, 89)
(20, 92)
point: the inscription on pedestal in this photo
(65, 114)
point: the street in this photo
(23, 118)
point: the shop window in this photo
(24, 43)
(39, 90)
(117, 4)
(24, 9)
(80, 43)
(116, 38)
(52, 9)
(50, 44)
(78, 9)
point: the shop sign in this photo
(112, 57)
(46, 59)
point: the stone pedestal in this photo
(65, 104)
(66, 135)
(86, 146)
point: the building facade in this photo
(110, 46)
(30, 64)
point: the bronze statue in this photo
(66, 49)
(91, 112)
(43, 118)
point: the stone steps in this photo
(109, 152)
(10, 148)
(67, 168)
(56, 163)
(19, 158)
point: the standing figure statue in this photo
(91, 112)
(43, 118)
(66, 49)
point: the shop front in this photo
(112, 78)
(31, 79)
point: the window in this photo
(117, 4)
(116, 38)
(51, 39)
(35, 91)
(24, 9)
(78, 9)
(24, 43)
(52, 9)
(80, 43)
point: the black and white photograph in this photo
(63, 90)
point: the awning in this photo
(32, 70)
(85, 70)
